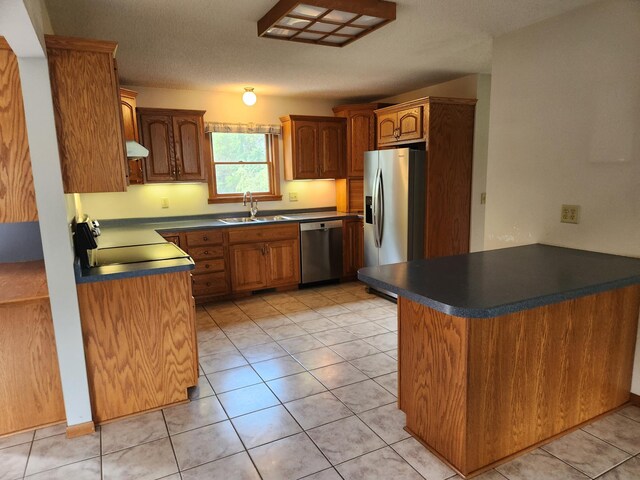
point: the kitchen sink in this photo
(271, 218)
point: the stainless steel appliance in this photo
(394, 198)
(320, 251)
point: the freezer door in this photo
(370, 171)
(394, 169)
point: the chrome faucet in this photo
(253, 208)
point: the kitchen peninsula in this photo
(501, 351)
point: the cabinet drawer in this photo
(263, 233)
(204, 237)
(210, 284)
(209, 266)
(201, 253)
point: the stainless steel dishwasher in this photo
(320, 251)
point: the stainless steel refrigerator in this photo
(394, 199)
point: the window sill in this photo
(239, 198)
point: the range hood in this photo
(135, 150)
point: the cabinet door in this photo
(86, 105)
(157, 136)
(248, 267)
(387, 124)
(130, 123)
(283, 260)
(360, 139)
(17, 194)
(305, 149)
(410, 124)
(188, 138)
(353, 247)
(331, 154)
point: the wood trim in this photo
(169, 111)
(77, 43)
(311, 118)
(128, 93)
(238, 198)
(23, 282)
(356, 107)
(4, 45)
(80, 429)
(426, 100)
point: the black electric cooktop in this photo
(137, 254)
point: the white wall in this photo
(565, 128)
(470, 86)
(191, 199)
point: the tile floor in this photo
(298, 385)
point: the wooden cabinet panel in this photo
(356, 195)
(204, 237)
(361, 139)
(410, 124)
(283, 260)
(211, 251)
(140, 344)
(176, 143)
(331, 152)
(130, 123)
(30, 387)
(210, 284)
(17, 195)
(263, 233)
(248, 265)
(314, 147)
(387, 128)
(157, 136)
(353, 248)
(188, 141)
(209, 266)
(306, 149)
(88, 116)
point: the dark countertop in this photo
(498, 282)
(127, 232)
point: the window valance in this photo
(242, 128)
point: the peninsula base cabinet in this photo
(264, 257)
(353, 247)
(140, 343)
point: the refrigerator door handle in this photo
(374, 209)
(380, 208)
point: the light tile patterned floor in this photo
(298, 385)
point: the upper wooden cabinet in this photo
(398, 125)
(361, 133)
(86, 102)
(17, 195)
(314, 147)
(177, 145)
(130, 122)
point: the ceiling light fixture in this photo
(249, 97)
(334, 23)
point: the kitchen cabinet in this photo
(360, 138)
(264, 257)
(444, 128)
(178, 149)
(400, 125)
(88, 115)
(314, 147)
(353, 246)
(140, 343)
(30, 386)
(17, 194)
(130, 123)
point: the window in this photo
(243, 162)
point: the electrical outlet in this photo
(570, 214)
(483, 198)
(293, 196)
(164, 202)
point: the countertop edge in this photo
(179, 265)
(499, 310)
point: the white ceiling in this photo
(213, 44)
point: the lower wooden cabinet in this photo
(353, 246)
(273, 261)
(140, 343)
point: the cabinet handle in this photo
(207, 265)
(205, 238)
(206, 252)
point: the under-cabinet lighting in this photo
(334, 23)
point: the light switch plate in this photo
(570, 214)
(164, 202)
(293, 196)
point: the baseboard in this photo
(80, 429)
(634, 399)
